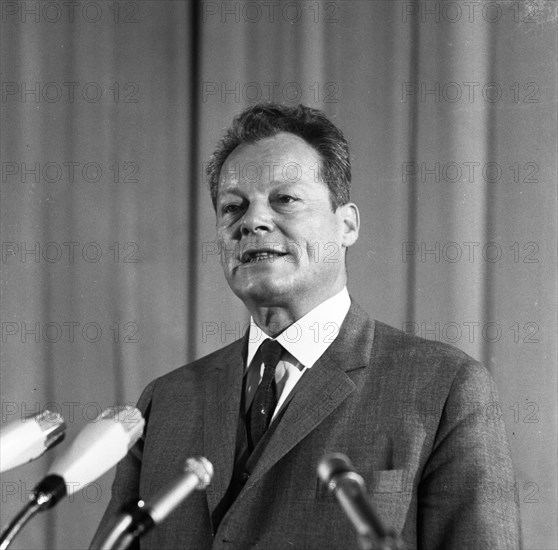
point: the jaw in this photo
(282, 284)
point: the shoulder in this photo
(390, 341)
(404, 359)
(378, 341)
(193, 375)
(434, 367)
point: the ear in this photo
(351, 222)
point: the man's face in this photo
(281, 244)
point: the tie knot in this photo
(271, 352)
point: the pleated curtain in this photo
(109, 112)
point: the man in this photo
(405, 410)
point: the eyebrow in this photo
(233, 190)
(225, 192)
(288, 182)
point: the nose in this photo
(257, 218)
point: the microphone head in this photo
(201, 468)
(26, 440)
(128, 418)
(332, 465)
(196, 475)
(99, 446)
(53, 426)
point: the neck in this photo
(274, 319)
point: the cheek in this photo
(221, 232)
(222, 237)
(322, 235)
(327, 252)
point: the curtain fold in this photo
(111, 276)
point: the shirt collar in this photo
(309, 337)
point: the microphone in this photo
(95, 450)
(98, 447)
(28, 439)
(138, 517)
(337, 471)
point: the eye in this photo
(231, 208)
(286, 199)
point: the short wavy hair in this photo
(265, 120)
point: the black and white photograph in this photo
(279, 274)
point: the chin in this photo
(264, 293)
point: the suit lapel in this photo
(221, 410)
(320, 391)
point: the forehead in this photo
(274, 158)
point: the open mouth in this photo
(255, 256)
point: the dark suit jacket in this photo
(420, 420)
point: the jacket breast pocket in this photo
(387, 481)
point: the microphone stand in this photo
(137, 518)
(371, 532)
(45, 495)
(132, 523)
(17, 524)
(337, 472)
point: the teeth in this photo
(260, 256)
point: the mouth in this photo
(260, 255)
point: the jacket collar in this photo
(319, 392)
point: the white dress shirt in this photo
(305, 341)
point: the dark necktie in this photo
(265, 398)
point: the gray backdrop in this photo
(110, 277)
